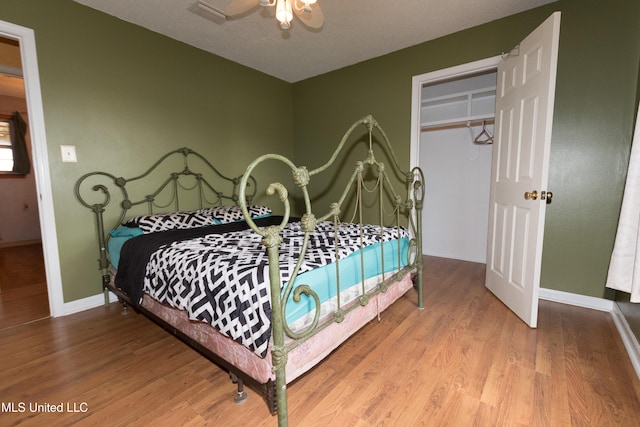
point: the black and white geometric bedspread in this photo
(223, 279)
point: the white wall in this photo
(19, 220)
(458, 175)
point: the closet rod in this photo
(457, 125)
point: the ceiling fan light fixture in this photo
(284, 13)
(306, 7)
(307, 11)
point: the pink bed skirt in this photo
(300, 359)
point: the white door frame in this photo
(417, 82)
(26, 38)
(433, 77)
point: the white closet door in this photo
(524, 115)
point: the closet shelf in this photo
(460, 107)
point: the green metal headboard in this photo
(208, 187)
(409, 205)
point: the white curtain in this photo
(624, 269)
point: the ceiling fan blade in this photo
(206, 10)
(238, 7)
(314, 19)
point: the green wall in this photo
(593, 120)
(123, 96)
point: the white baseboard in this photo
(626, 334)
(458, 256)
(594, 303)
(86, 303)
(628, 338)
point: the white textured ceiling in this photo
(353, 31)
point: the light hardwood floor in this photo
(23, 285)
(465, 360)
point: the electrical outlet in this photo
(68, 153)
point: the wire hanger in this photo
(484, 137)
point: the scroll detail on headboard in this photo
(161, 189)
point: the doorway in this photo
(456, 137)
(450, 108)
(23, 285)
(518, 195)
(25, 39)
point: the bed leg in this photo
(418, 285)
(105, 281)
(241, 395)
(269, 395)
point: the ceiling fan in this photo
(307, 11)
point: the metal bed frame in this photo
(242, 191)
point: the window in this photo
(14, 155)
(6, 145)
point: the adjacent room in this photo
(499, 213)
(22, 279)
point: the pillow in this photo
(226, 214)
(193, 219)
(126, 232)
(172, 221)
(118, 237)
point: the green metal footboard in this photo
(408, 206)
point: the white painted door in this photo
(524, 114)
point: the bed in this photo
(263, 293)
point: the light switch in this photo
(68, 153)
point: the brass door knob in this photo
(547, 196)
